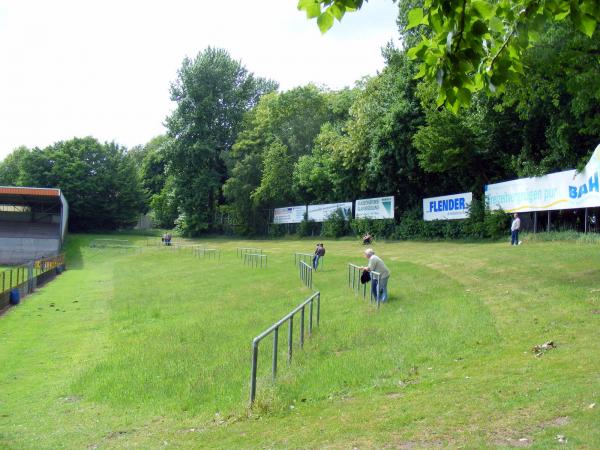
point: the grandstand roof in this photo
(29, 195)
(44, 192)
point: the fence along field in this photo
(19, 281)
(162, 338)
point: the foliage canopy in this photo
(471, 45)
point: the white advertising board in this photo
(447, 207)
(290, 214)
(561, 190)
(375, 208)
(320, 213)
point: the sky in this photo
(103, 68)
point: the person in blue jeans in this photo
(514, 230)
(319, 253)
(376, 264)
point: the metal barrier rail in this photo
(354, 273)
(10, 281)
(303, 257)
(16, 276)
(308, 258)
(211, 253)
(306, 274)
(44, 265)
(114, 243)
(241, 251)
(254, 259)
(180, 246)
(354, 280)
(275, 330)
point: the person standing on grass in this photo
(514, 230)
(376, 264)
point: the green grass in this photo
(151, 349)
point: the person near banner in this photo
(319, 253)
(367, 238)
(376, 264)
(514, 230)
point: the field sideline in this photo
(151, 349)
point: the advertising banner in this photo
(375, 208)
(562, 190)
(447, 207)
(291, 214)
(320, 213)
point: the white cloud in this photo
(103, 68)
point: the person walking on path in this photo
(514, 230)
(376, 264)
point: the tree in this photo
(381, 155)
(278, 166)
(153, 165)
(10, 167)
(99, 181)
(275, 134)
(559, 105)
(457, 147)
(472, 45)
(212, 92)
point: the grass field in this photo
(151, 349)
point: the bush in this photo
(336, 225)
(307, 227)
(380, 228)
(473, 226)
(411, 225)
(496, 223)
(277, 230)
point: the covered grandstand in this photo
(33, 223)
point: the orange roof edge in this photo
(37, 192)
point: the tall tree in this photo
(280, 130)
(212, 92)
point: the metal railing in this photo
(354, 273)
(44, 265)
(25, 278)
(110, 243)
(210, 253)
(289, 318)
(241, 251)
(306, 257)
(255, 259)
(306, 274)
(13, 277)
(115, 244)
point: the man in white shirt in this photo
(514, 230)
(376, 264)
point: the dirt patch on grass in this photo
(510, 440)
(558, 422)
(513, 442)
(410, 445)
(394, 395)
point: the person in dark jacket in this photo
(319, 253)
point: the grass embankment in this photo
(152, 349)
